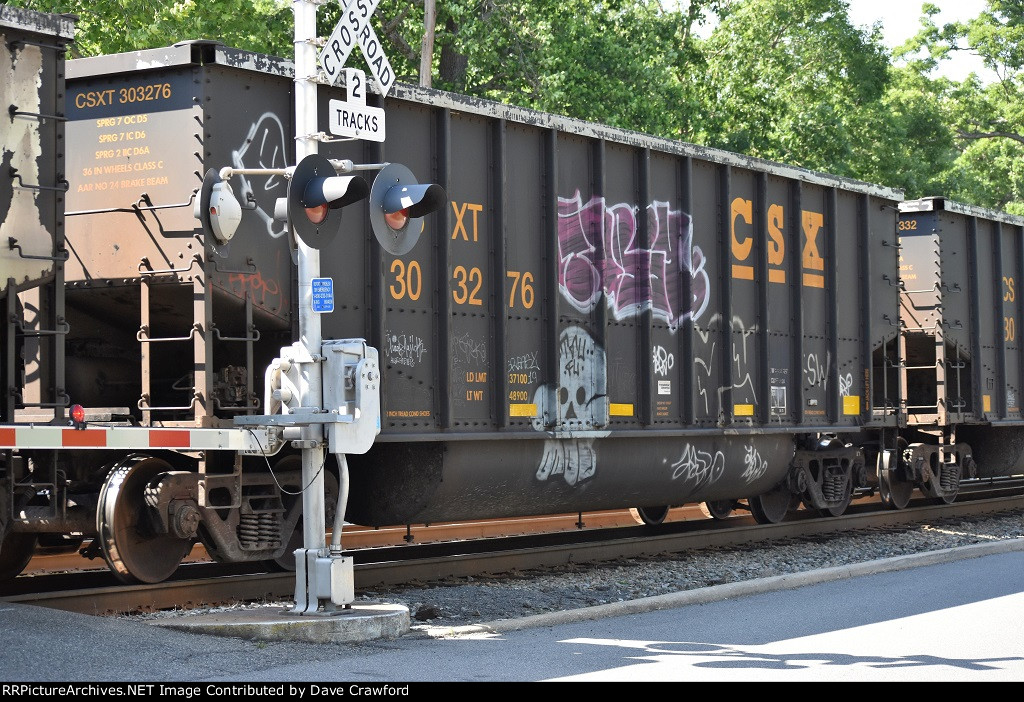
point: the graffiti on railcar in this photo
(698, 469)
(599, 252)
(469, 367)
(265, 292)
(663, 360)
(523, 369)
(741, 333)
(755, 467)
(580, 402)
(264, 147)
(704, 364)
(404, 349)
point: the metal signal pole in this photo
(311, 386)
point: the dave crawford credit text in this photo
(207, 690)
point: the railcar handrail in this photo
(13, 245)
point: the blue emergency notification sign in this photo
(323, 294)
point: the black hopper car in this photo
(597, 319)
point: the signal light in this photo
(77, 416)
(397, 220)
(314, 192)
(317, 214)
(217, 208)
(397, 204)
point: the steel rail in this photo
(437, 562)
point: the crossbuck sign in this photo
(354, 28)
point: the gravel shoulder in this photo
(468, 601)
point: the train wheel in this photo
(718, 509)
(286, 561)
(894, 490)
(772, 506)
(134, 552)
(15, 553)
(649, 515)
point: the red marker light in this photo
(77, 414)
(317, 214)
(397, 220)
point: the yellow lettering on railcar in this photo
(408, 280)
(812, 260)
(741, 249)
(468, 284)
(522, 282)
(776, 244)
(742, 243)
(460, 225)
(144, 93)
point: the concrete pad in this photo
(362, 622)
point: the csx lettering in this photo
(741, 249)
(460, 225)
(742, 243)
(776, 245)
(812, 223)
(94, 98)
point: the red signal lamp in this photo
(318, 213)
(397, 220)
(78, 416)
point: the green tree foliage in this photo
(792, 81)
(985, 119)
(788, 80)
(114, 26)
(628, 63)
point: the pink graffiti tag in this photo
(598, 252)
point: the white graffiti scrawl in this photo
(580, 403)
(698, 469)
(663, 361)
(754, 466)
(263, 148)
(403, 349)
(599, 252)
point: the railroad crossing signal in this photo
(354, 27)
(398, 202)
(315, 193)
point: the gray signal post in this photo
(322, 573)
(314, 528)
(326, 394)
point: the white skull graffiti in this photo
(581, 403)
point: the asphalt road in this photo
(961, 619)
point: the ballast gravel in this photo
(461, 601)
